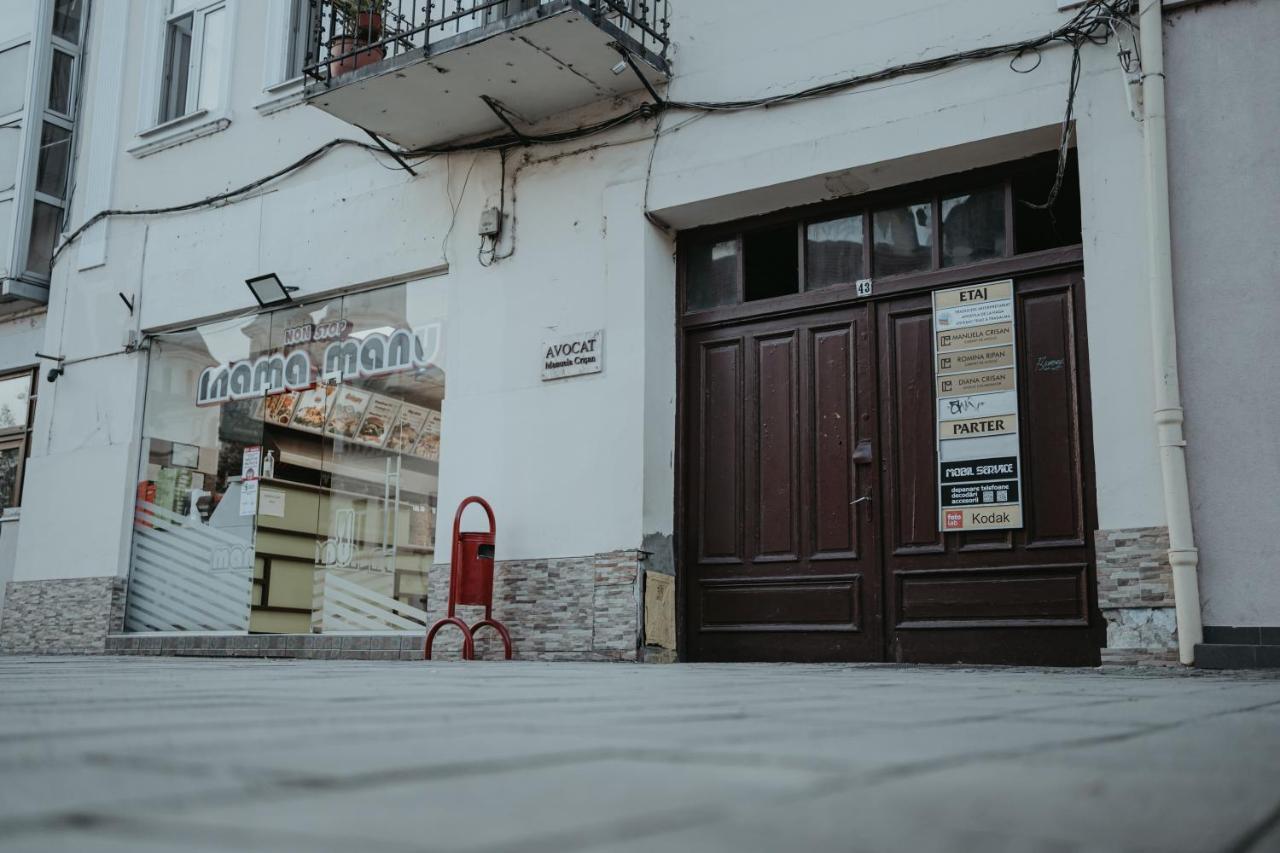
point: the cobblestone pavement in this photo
(158, 754)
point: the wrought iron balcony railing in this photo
(346, 35)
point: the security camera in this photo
(55, 372)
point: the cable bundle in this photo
(1094, 23)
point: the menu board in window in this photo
(429, 446)
(377, 420)
(347, 411)
(279, 408)
(407, 428)
(313, 408)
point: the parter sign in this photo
(975, 366)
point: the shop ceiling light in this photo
(268, 290)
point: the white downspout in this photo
(1183, 556)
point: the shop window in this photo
(903, 239)
(291, 469)
(711, 275)
(833, 252)
(973, 226)
(770, 263)
(1036, 228)
(16, 403)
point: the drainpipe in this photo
(1183, 556)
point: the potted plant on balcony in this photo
(359, 24)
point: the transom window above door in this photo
(970, 218)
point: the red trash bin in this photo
(471, 582)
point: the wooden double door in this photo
(809, 499)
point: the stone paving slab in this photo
(156, 754)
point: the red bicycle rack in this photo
(471, 582)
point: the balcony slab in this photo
(537, 64)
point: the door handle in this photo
(860, 500)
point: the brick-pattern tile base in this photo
(1133, 568)
(67, 616)
(572, 608)
(1135, 594)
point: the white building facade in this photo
(687, 343)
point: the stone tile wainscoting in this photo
(59, 617)
(572, 608)
(1135, 594)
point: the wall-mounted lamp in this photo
(54, 372)
(269, 291)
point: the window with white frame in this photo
(293, 29)
(17, 407)
(53, 148)
(301, 17)
(195, 57)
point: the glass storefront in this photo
(290, 466)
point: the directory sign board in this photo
(975, 368)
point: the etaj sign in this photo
(574, 355)
(366, 356)
(976, 370)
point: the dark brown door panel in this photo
(1016, 596)
(718, 491)
(1009, 596)
(817, 603)
(809, 503)
(807, 585)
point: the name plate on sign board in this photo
(975, 368)
(573, 355)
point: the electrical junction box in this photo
(490, 222)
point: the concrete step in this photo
(1237, 656)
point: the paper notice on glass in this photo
(251, 463)
(248, 497)
(271, 502)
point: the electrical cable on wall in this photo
(1095, 23)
